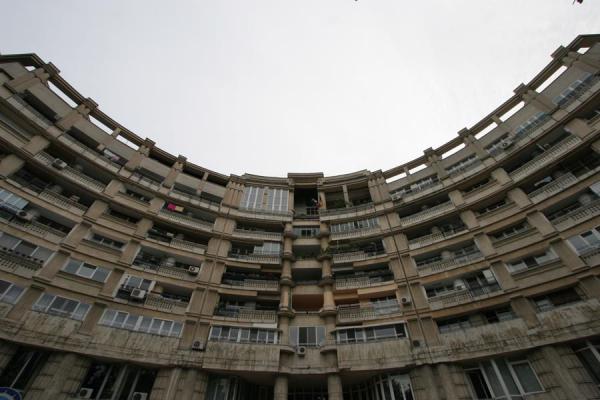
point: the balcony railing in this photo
(72, 173)
(178, 194)
(253, 284)
(545, 158)
(165, 304)
(357, 312)
(346, 210)
(265, 258)
(461, 296)
(38, 229)
(423, 215)
(361, 281)
(434, 237)
(246, 314)
(356, 256)
(354, 233)
(557, 185)
(581, 214)
(263, 211)
(63, 202)
(416, 190)
(186, 220)
(257, 234)
(590, 251)
(18, 263)
(444, 265)
(176, 272)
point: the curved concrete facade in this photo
(470, 272)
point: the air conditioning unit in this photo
(139, 396)
(137, 294)
(301, 351)
(85, 393)
(24, 215)
(506, 143)
(192, 270)
(59, 164)
(405, 301)
(416, 343)
(197, 345)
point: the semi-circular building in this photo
(470, 272)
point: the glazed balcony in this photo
(357, 256)
(545, 158)
(261, 235)
(355, 233)
(359, 312)
(71, 173)
(577, 216)
(186, 220)
(448, 264)
(260, 258)
(20, 264)
(285, 213)
(462, 296)
(556, 186)
(247, 314)
(425, 240)
(426, 214)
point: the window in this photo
(586, 241)
(24, 248)
(307, 336)
(61, 306)
(502, 379)
(367, 334)
(556, 299)
(103, 240)
(138, 323)
(264, 198)
(11, 201)
(306, 231)
(243, 335)
(268, 248)
(589, 355)
(532, 261)
(531, 124)
(499, 315)
(124, 217)
(24, 365)
(135, 282)
(85, 270)
(112, 381)
(9, 292)
(382, 387)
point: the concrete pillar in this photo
(433, 161)
(484, 244)
(328, 302)
(92, 318)
(501, 176)
(334, 387)
(472, 143)
(113, 281)
(142, 227)
(280, 391)
(519, 197)
(9, 165)
(456, 198)
(193, 385)
(97, 208)
(539, 221)
(31, 295)
(525, 310)
(75, 115)
(424, 383)
(567, 255)
(7, 350)
(503, 276)
(59, 378)
(453, 382)
(78, 232)
(175, 170)
(55, 264)
(165, 384)
(538, 100)
(469, 218)
(284, 298)
(130, 251)
(36, 145)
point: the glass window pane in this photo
(507, 377)
(591, 364)
(166, 328)
(155, 327)
(131, 321)
(145, 324)
(100, 275)
(72, 266)
(176, 331)
(526, 377)
(108, 317)
(81, 311)
(86, 270)
(12, 295)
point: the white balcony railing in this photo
(165, 304)
(244, 233)
(356, 256)
(186, 220)
(357, 312)
(434, 237)
(253, 284)
(346, 210)
(426, 214)
(257, 257)
(354, 233)
(577, 216)
(461, 296)
(246, 314)
(360, 282)
(556, 186)
(444, 265)
(63, 202)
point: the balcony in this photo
(261, 235)
(355, 233)
(417, 190)
(161, 303)
(285, 213)
(357, 256)
(247, 314)
(63, 202)
(195, 200)
(545, 158)
(90, 154)
(71, 173)
(186, 220)
(456, 297)
(362, 281)
(38, 229)
(577, 216)
(18, 263)
(425, 240)
(253, 284)
(590, 253)
(358, 312)
(338, 212)
(556, 186)
(173, 242)
(426, 214)
(261, 258)
(445, 265)
(160, 269)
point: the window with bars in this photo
(80, 268)
(57, 305)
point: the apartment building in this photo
(470, 272)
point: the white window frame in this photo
(11, 286)
(86, 265)
(51, 298)
(139, 320)
(500, 378)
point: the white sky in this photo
(270, 87)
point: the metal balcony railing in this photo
(267, 258)
(63, 202)
(582, 213)
(253, 284)
(357, 312)
(428, 213)
(361, 281)
(19, 263)
(444, 265)
(461, 296)
(165, 304)
(276, 236)
(557, 185)
(434, 237)
(356, 256)
(72, 173)
(246, 314)
(186, 220)
(354, 233)
(346, 210)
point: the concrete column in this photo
(165, 384)
(36, 145)
(456, 198)
(473, 144)
(334, 387)
(97, 208)
(433, 161)
(31, 295)
(280, 391)
(469, 218)
(55, 264)
(7, 350)
(284, 329)
(346, 196)
(196, 301)
(567, 255)
(75, 115)
(519, 197)
(525, 310)
(590, 286)
(424, 383)
(10, 164)
(578, 127)
(501, 176)
(453, 382)
(504, 277)
(130, 251)
(328, 302)
(193, 385)
(175, 170)
(59, 378)
(539, 221)
(92, 318)
(143, 151)
(142, 227)
(29, 79)
(113, 281)
(538, 100)
(484, 244)
(78, 232)
(284, 298)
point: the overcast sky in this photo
(270, 87)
